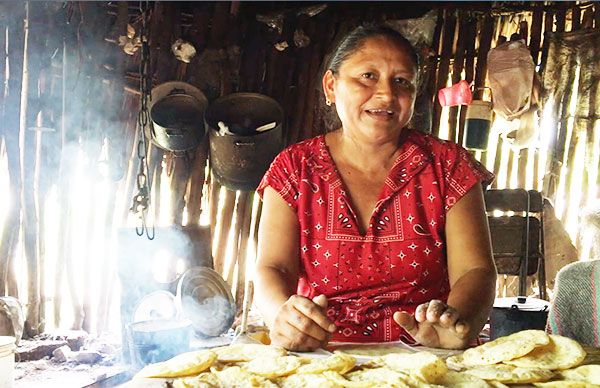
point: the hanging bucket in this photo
(177, 115)
(478, 122)
(245, 134)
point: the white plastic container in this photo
(7, 361)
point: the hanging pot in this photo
(239, 154)
(177, 115)
(511, 315)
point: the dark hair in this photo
(356, 38)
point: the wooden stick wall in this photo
(71, 188)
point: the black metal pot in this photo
(515, 314)
(177, 114)
(240, 158)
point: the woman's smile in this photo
(381, 114)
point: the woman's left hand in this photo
(436, 325)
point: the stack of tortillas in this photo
(528, 357)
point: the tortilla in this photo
(505, 348)
(560, 353)
(185, 364)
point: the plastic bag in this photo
(523, 132)
(511, 71)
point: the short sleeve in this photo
(282, 176)
(461, 172)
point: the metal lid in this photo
(205, 299)
(177, 87)
(156, 305)
(522, 303)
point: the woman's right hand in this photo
(301, 324)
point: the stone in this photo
(75, 338)
(37, 349)
(87, 357)
(62, 354)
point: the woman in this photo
(374, 232)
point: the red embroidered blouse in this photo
(400, 262)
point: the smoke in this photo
(591, 226)
(209, 315)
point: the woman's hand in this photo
(301, 324)
(436, 325)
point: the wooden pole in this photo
(214, 189)
(557, 80)
(469, 69)
(179, 167)
(536, 34)
(10, 125)
(581, 110)
(497, 161)
(130, 120)
(242, 253)
(575, 18)
(444, 64)
(27, 143)
(435, 47)
(536, 170)
(196, 182)
(548, 28)
(522, 168)
(253, 59)
(116, 128)
(304, 59)
(590, 72)
(3, 60)
(62, 191)
(234, 240)
(485, 41)
(224, 225)
(457, 67)
(512, 155)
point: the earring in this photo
(327, 102)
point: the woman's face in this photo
(374, 90)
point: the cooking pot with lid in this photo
(510, 315)
(177, 115)
(245, 134)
